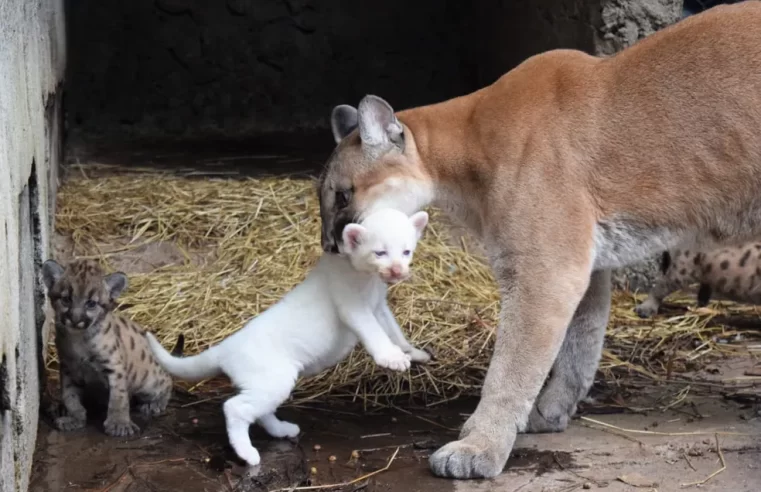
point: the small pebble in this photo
(393, 419)
(313, 470)
(195, 421)
(317, 447)
(331, 458)
(586, 486)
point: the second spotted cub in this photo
(99, 352)
(313, 327)
(727, 273)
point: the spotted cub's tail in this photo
(193, 368)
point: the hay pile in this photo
(248, 241)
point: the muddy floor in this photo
(608, 447)
(639, 439)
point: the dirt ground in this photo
(187, 449)
(613, 444)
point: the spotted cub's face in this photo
(384, 243)
(374, 166)
(81, 294)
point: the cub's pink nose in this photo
(395, 271)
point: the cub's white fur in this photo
(315, 326)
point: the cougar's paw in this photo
(418, 356)
(468, 458)
(69, 423)
(394, 358)
(120, 427)
(646, 310)
(548, 421)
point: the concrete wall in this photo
(32, 60)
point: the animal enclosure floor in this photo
(187, 450)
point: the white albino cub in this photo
(314, 326)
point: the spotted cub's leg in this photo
(152, 383)
(71, 396)
(672, 279)
(156, 399)
(118, 422)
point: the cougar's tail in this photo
(193, 368)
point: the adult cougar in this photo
(567, 166)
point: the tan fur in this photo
(567, 166)
(727, 273)
(102, 355)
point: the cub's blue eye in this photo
(380, 254)
(91, 304)
(406, 252)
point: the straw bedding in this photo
(246, 242)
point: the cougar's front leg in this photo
(540, 293)
(575, 367)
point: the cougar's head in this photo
(375, 165)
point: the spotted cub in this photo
(727, 273)
(102, 356)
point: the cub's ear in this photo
(343, 121)
(419, 221)
(51, 272)
(378, 126)
(115, 284)
(353, 235)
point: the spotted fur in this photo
(728, 273)
(101, 353)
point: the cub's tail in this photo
(193, 368)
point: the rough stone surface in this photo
(620, 23)
(32, 60)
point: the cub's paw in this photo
(151, 409)
(250, 456)
(394, 358)
(418, 356)
(285, 430)
(120, 427)
(69, 423)
(646, 310)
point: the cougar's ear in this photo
(343, 121)
(378, 126)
